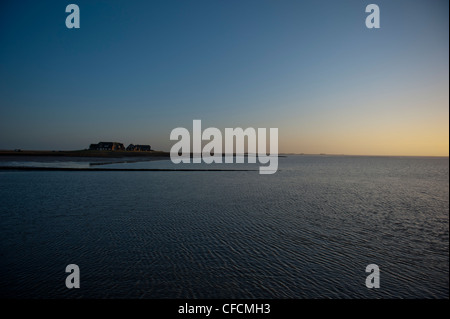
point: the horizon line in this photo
(280, 153)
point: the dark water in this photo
(309, 231)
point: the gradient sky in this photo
(137, 69)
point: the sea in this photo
(309, 231)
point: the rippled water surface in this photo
(308, 231)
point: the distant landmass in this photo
(86, 153)
(100, 149)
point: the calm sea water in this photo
(308, 231)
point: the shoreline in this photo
(91, 157)
(73, 169)
(84, 153)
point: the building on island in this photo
(139, 148)
(115, 146)
(107, 146)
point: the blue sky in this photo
(137, 69)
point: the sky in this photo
(135, 70)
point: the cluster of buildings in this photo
(115, 146)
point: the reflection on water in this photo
(307, 231)
(121, 163)
(62, 164)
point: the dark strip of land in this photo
(92, 153)
(86, 153)
(72, 169)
